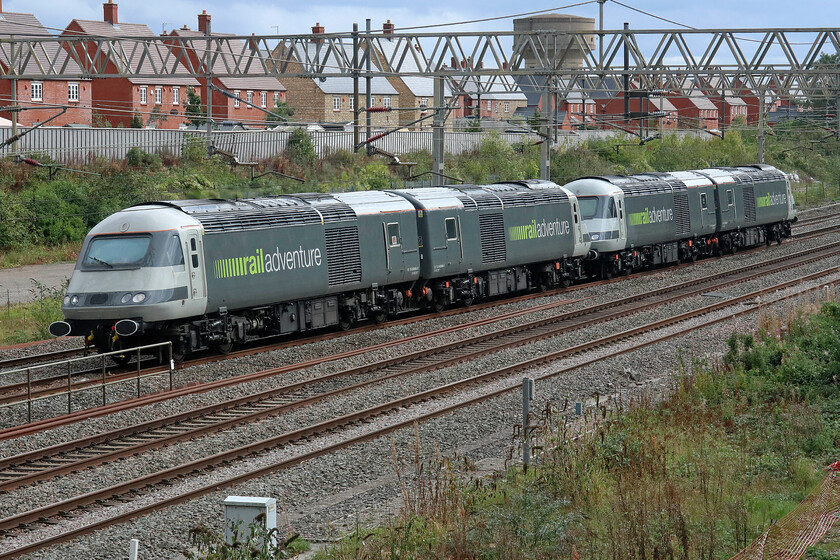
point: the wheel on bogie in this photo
(223, 348)
(378, 317)
(345, 322)
(438, 305)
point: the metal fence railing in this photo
(79, 145)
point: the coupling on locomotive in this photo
(214, 273)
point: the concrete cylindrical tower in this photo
(555, 45)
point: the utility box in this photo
(243, 511)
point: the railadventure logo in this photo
(261, 262)
(536, 230)
(651, 216)
(771, 200)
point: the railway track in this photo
(76, 455)
(19, 397)
(38, 383)
(42, 387)
(189, 480)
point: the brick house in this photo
(573, 112)
(609, 109)
(158, 101)
(695, 110)
(493, 97)
(414, 91)
(330, 99)
(39, 98)
(263, 91)
(772, 103)
(730, 106)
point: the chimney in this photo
(252, 43)
(110, 12)
(317, 29)
(388, 28)
(203, 21)
(454, 62)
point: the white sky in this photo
(263, 18)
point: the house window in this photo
(158, 95)
(249, 97)
(37, 91)
(507, 107)
(386, 102)
(352, 103)
(72, 91)
(336, 103)
(276, 98)
(142, 95)
(263, 98)
(176, 95)
(489, 105)
(424, 102)
(236, 98)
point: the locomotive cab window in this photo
(394, 234)
(594, 207)
(703, 203)
(118, 251)
(173, 254)
(451, 229)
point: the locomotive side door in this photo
(454, 251)
(394, 259)
(195, 264)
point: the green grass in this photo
(39, 254)
(27, 322)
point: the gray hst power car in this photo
(649, 219)
(211, 273)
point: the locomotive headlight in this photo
(74, 300)
(595, 236)
(126, 298)
(139, 298)
(66, 300)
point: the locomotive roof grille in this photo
(259, 219)
(468, 202)
(649, 183)
(509, 195)
(265, 212)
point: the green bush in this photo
(301, 150)
(194, 150)
(135, 157)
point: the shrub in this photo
(301, 150)
(194, 149)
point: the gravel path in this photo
(324, 497)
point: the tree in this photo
(195, 112)
(301, 151)
(157, 116)
(826, 104)
(281, 112)
(136, 121)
